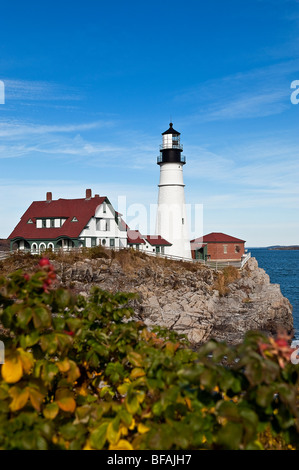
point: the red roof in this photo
(217, 237)
(134, 237)
(82, 209)
(155, 240)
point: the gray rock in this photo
(188, 302)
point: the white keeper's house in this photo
(69, 223)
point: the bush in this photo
(79, 374)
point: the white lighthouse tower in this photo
(171, 222)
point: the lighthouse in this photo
(171, 221)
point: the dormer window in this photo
(74, 219)
(30, 221)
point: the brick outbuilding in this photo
(217, 246)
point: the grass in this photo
(129, 259)
(225, 277)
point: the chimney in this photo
(88, 193)
(49, 197)
(96, 195)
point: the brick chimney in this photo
(88, 193)
(96, 195)
(49, 197)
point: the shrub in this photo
(79, 374)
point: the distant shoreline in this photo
(276, 247)
(295, 247)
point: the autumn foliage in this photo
(80, 374)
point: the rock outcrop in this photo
(189, 301)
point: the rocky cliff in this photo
(190, 299)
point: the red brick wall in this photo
(216, 251)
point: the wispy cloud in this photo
(255, 93)
(263, 174)
(82, 142)
(23, 130)
(26, 90)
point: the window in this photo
(237, 249)
(93, 242)
(183, 221)
(52, 223)
(102, 225)
(112, 242)
(29, 221)
(104, 207)
(104, 242)
(225, 249)
(44, 223)
(74, 219)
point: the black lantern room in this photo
(171, 148)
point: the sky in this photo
(90, 86)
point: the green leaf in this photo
(135, 359)
(26, 341)
(98, 436)
(63, 298)
(68, 431)
(157, 408)
(41, 443)
(51, 410)
(49, 371)
(228, 409)
(58, 323)
(125, 417)
(113, 431)
(74, 324)
(24, 316)
(230, 436)
(132, 403)
(264, 396)
(41, 317)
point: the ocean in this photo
(283, 268)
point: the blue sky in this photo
(90, 86)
